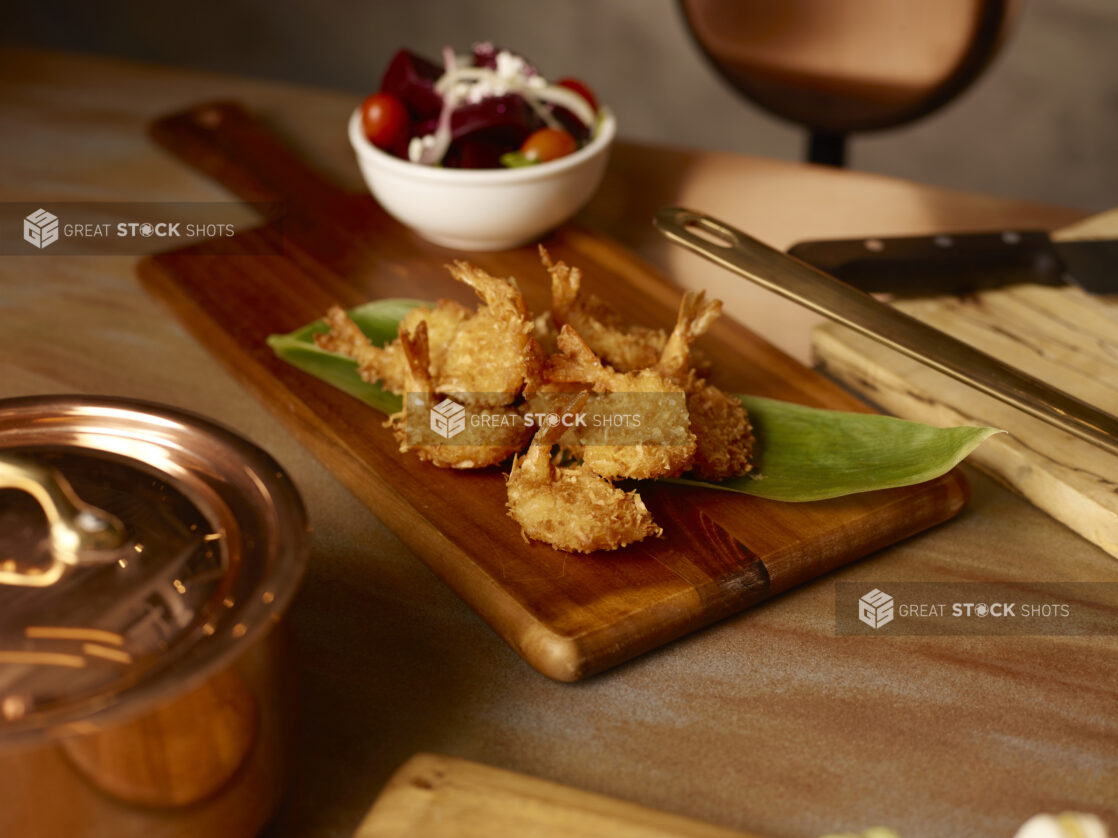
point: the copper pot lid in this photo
(141, 549)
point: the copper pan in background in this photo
(146, 559)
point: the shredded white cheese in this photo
(463, 83)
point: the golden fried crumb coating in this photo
(572, 508)
(494, 353)
(374, 363)
(387, 364)
(723, 435)
(662, 445)
(623, 346)
(722, 431)
(443, 322)
(488, 446)
(515, 373)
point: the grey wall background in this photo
(1042, 124)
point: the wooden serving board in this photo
(433, 796)
(567, 615)
(1060, 335)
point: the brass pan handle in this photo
(80, 534)
(737, 252)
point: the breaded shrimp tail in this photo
(494, 354)
(577, 363)
(623, 346)
(694, 318)
(565, 282)
(417, 351)
(374, 363)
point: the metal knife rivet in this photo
(1009, 237)
(944, 241)
(875, 245)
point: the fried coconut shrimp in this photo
(720, 424)
(623, 346)
(722, 431)
(572, 508)
(494, 353)
(387, 364)
(659, 446)
(491, 446)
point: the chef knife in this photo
(770, 268)
(962, 263)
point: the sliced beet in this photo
(483, 149)
(482, 132)
(575, 126)
(509, 111)
(480, 156)
(411, 79)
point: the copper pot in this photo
(146, 558)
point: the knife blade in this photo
(777, 271)
(963, 263)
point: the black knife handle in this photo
(949, 263)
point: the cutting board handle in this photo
(230, 145)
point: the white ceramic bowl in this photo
(483, 209)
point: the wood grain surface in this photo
(433, 796)
(1060, 335)
(767, 722)
(568, 615)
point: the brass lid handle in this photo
(80, 534)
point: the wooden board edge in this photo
(926, 505)
(1003, 457)
(433, 796)
(564, 658)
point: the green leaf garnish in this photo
(517, 160)
(803, 453)
(807, 453)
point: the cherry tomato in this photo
(581, 89)
(548, 144)
(385, 120)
